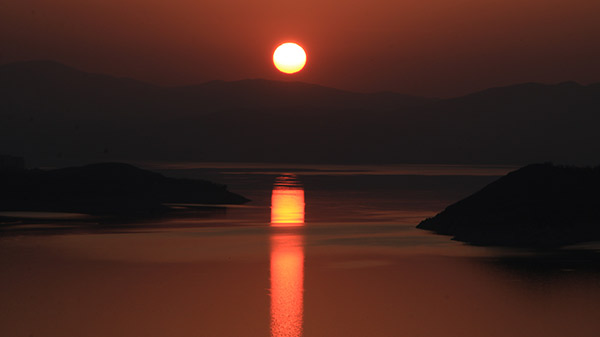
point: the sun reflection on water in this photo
(287, 202)
(287, 258)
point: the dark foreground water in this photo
(321, 251)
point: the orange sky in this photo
(425, 47)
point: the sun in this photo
(289, 58)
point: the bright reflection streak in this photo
(287, 278)
(287, 259)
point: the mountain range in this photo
(56, 115)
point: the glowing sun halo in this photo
(289, 58)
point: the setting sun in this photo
(289, 58)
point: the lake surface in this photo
(320, 251)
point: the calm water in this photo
(321, 251)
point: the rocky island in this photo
(104, 189)
(540, 205)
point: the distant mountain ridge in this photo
(53, 114)
(249, 92)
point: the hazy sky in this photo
(425, 47)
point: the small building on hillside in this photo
(11, 162)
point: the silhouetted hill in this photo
(56, 115)
(108, 188)
(539, 205)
